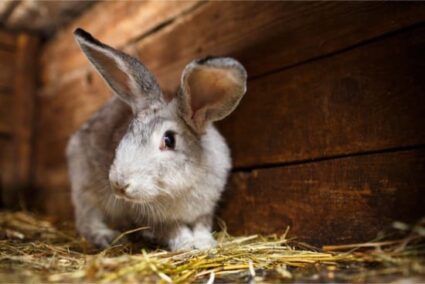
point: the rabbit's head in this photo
(162, 151)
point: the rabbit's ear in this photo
(211, 88)
(125, 75)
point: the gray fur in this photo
(121, 178)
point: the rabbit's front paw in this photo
(203, 240)
(103, 238)
(186, 239)
(183, 241)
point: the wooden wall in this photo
(18, 53)
(39, 17)
(329, 138)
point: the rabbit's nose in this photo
(119, 188)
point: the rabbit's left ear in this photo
(125, 75)
(210, 90)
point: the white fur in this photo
(190, 190)
(121, 176)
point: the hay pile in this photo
(32, 250)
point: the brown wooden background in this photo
(18, 57)
(328, 140)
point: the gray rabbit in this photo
(148, 160)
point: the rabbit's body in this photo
(144, 161)
(90, 155)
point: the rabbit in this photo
(147, 159)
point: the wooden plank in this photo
(121, 23)
(276, 35)
(7, 68)
(43, 17)
(50, 167)
(352, 102)
(7, 40)
(365, 99)
(265, 36)
(54, 131)
(79, 107)
(5, 114)
(6, 170)
(23, 108)
(335, 201)
(57, 205)
(53, 196)
(16, 120)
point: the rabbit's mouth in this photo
(121, 193)
(124, 197)
(134, 199)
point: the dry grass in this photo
(32, 250)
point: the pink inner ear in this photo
(111, 70)
(209, 86)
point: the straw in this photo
(33, 250)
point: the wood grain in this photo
(17, 121)
(53, 199)
(368, 98)
(24, 107)
(7, 40)
(276, 35)
(352, 102)
(54, 126)
(121, 23)
(5, 113)
(328, 202)
(6, 170)
(7, 68)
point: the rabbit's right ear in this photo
(125, 75)
(210, 89)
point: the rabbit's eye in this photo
(169, 140)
